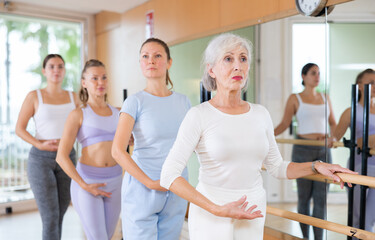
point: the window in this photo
(24, 42)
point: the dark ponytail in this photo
(359, 79)
(306, 69)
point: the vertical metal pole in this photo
(208, 94)
(291, 128)
(202, 95)
(205, 95)
(244, 96)
(365, 153)
(351, 144)
(125, 96)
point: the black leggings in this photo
(308, 189)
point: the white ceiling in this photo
(85, 6)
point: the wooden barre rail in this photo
(313, 143)
(349, 178)
(316, 222)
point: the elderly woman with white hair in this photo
(233, 139)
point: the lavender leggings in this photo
(99, 215)
(370, 196)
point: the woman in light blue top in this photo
(154, 116)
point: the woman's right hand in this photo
(331, 141)
(48, 145)
(237, 210)
(155, 185)
(93, 188)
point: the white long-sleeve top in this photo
(231, 148)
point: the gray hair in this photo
(216, 49)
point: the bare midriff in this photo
(98, 155)
(313, 136)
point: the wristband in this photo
(313, 166)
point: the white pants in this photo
(204, 225)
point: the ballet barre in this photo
(307, 142)
(346, 177)
(316, 222)
(350, 178)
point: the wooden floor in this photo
(30, 223)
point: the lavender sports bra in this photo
(359, 124)
(96, 128)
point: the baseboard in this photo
(18, 206)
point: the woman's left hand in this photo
(328, 170)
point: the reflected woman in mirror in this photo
(309, 107)
(365, 77)
(96, 185)
(50, 108)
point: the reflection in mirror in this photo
(355, 66)
(308, 112)
(351, 52)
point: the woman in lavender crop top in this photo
(49, 107)
(365, 77)
(96, 184)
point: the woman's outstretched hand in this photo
(328, 170)
(237, 210)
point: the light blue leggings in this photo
(99, 215)
(148, 214)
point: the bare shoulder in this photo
(31, 99)
(293, 100)
(32, 95)
(29, 105)
(293, 97)
(346, 113)
(76, 113)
